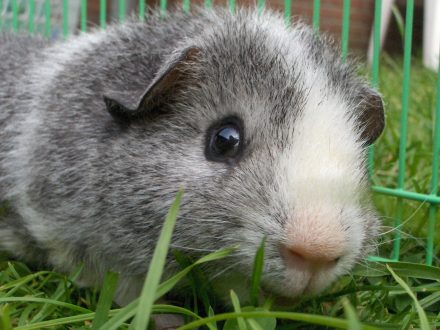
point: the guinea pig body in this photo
(263, 126)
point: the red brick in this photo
(361, 14)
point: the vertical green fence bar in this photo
(434, 179)
(231, 5)
(65, 18)
(208, 3)
(316, 14)
(163, 7)
(83, 15)
(47, 14)
(376, 43)
(185, 5)
(14, 15)
(142, 10)
(345, 28)
(260, 6)
(375, 68)
(103, 13)
(1, 16)
(121, 10)
(31, 16)
(403, 123)
(287, 11)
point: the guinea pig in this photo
(262, 124)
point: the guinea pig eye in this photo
(225, 141)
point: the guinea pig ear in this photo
(372, 118)
(126, 105)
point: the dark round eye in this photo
(225, 141)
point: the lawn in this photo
(404, 295)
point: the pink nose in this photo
(313, 241)
(312, 252)
(311, 257)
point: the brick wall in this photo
(361, 17)
(93, 12)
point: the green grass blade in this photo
(260, 323)
(90, 316)
(25, 314)
(430, 300)
(105, 299)
(237, 309)
(170, 309)
(198, 281)
(254, 325)
(46, 301)
(350, 313)
(56, 322)
(59, 292)
(401, 268)
(212, 325)
(5, 321)
(48, 308)
(13, 271)
(256, 273)
(156, 267)
(121, 316)
(303, 317)
(424, 324)
(171, 282)
(75, 274)
(406, 322)
(129, 311)
(23, 280)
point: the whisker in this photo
(408, 219)
(225, 270)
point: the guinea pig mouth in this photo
(306, 283)
(300, 277)
(292, 287)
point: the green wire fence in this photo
(13, 11)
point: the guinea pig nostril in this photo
(293, 259)
(301, 256)
(292, 254)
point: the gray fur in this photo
(82, 186)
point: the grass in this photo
(403, 295)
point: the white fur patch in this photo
(323, 183)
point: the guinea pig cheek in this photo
(313, 246)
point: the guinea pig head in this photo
(268, 136)
(301, 121)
